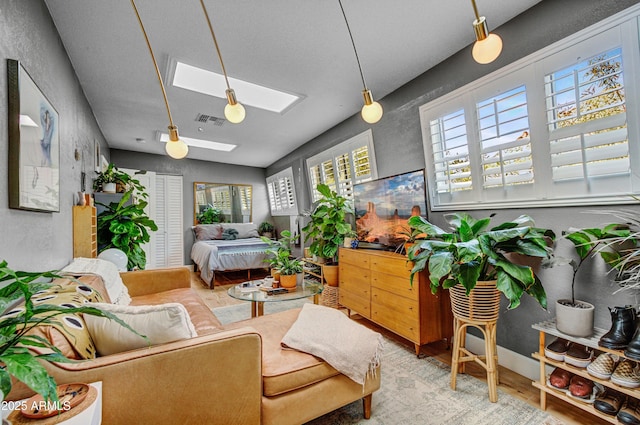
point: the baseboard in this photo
(522, 365)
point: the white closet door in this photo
(169, 237)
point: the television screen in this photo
(383, 206)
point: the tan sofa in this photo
(235, 374)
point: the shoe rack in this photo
(549, 328)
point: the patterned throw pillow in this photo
(68, 332)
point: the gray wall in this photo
(33, 240)
(398, 148)
(193, 170)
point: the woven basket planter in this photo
(482, 304)
(329, 296)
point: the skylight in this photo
(200, 143)
(213, 84)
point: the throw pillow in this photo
(159, 323)
(68, 332)
(229, 234)
(118, 293)
(245, 230)
(206, 232)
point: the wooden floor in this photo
(510, 382)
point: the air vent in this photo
(204, 118)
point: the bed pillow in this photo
(245, 230)
(206, 232)
(160, 323)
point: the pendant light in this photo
(234, 111)
(175, 147)
(372, 110)
(488, 46)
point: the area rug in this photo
(416, 391)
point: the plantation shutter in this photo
(344, 165)
(282, 194)
(169, 244)
(505, 142)
(587, 121)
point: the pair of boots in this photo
(624, 332)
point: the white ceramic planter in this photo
(109, 187)
(575, 321)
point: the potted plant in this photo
(210, 215)
(575, 317)
(112, 180)
(126, 227)
(279, 250)
(470, 253)
(327, 229)
(410, 235)
(16, 358)
(289, 268)
(266, 229)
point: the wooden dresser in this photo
(376, 285)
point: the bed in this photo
(211, 253)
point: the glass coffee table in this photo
(259, 297)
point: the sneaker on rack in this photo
(626, 374)
(557, 349)
(578, 355)
(603, 366)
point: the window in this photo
(282, 193)
(344, 165)
(550, 129)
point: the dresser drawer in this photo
(398, 285)
(390, 319)
(354, 257)
(398, 266)
(353, 302)
(404, 308)
(354, 276)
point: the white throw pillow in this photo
(109, 273)
(160, 323)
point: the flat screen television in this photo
(382, 208)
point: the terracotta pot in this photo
(288, 280)
(330, 273)
(275, 273)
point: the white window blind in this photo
(349, 163)
(282, 194)
(550, 129)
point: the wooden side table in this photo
(89, 413)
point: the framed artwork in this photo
(34, 144)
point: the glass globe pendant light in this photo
(234, 111)
(175, 147)
(488, 46)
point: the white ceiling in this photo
(296, 46)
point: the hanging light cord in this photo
(475, 10)
(155, 64)
(352, 43)
(215, 41)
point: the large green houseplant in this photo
(328, 224)
(327, 228)
(15, 356)
(125, 225)
(470, 252)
